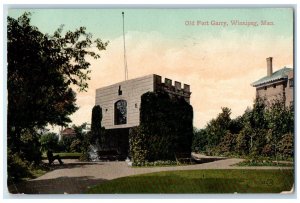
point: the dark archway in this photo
(120, 112)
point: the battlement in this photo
(175, 89)
(168, 83)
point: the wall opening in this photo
(121, 112)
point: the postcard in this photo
(142, 100)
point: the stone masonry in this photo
(276, 85)
(120, 102)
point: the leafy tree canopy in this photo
(41, 68)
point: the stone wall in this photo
(131, 91)
(289, 89)
(283, 89)
(271, 92)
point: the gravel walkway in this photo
(75, 177)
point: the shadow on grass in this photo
(61, 185)
(58, 185)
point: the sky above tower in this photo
(218, 51)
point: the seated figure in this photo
(52, 158)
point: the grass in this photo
(65, 155)
(200, 181)
(266, 163)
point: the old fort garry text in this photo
(228, 23)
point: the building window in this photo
(274, 86)
(291, 81)
(265, 88)
(119, 91)
(106, 110)
(120, 112)
(135, 105)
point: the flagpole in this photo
(125, 59)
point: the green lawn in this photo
(65, 155)
(267, 163)
(201, 181)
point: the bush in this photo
(138, 145)
(49, 141)
(75, 146)
(227, 144)
(243, 142)
(16, 167)
(30, 147)
(65, 143)
(286, 146)
(84, 157)
(156, 163)
(200, 143)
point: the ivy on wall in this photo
(166, 128)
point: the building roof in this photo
(68, 132)
(280, 74)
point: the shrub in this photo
(228, 143)
(138, 145)
(16, 167)
(243, 142)
(286, 146)
(30, 147)
(96, 130)
(49, 141)
(65, 143)
(75, 146)
(84, 157)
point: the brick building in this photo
(276, 86)
(120, 102)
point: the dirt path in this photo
(75, 177)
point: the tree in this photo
(219, 127)
(96, 129)
(41, 68)
(280, 122)
(49, 141)
(200, 140)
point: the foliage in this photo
(65, 143)
(217, 128)
(200, 141)
(286, 146)
(157, 163)
(261, 131)
(281, 124)
(243, 142)
(85, 144)
(138, 145)
(16, 167)
(77, 143)
(80, 130)
(227, 144)
(96, 129)
(41, 68)
(75, 146)
(165, 127)
(30, 147)
(49, 141)
(264, 162)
